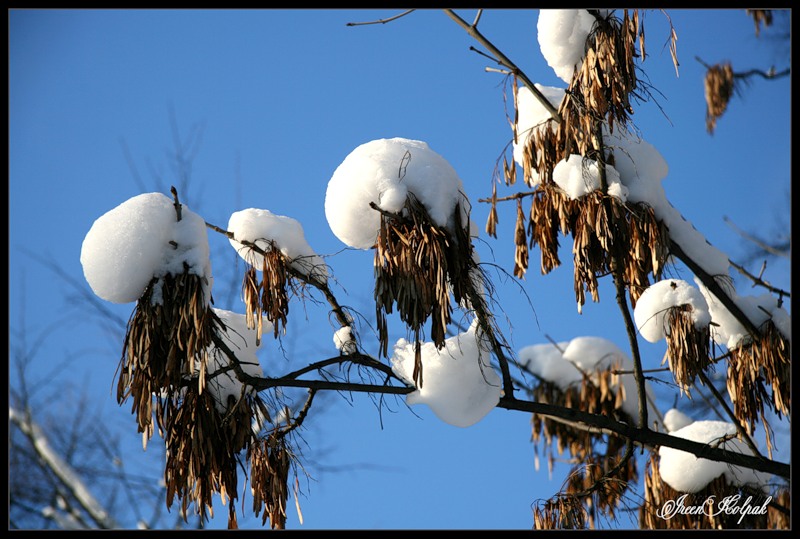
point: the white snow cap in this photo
(141, 239)
(686, 473)
(458, 384)
(242, 342)
(564, 364)
(385, 171)
(562, 37)
(261, 226)
(547, 362)
(344, 341)
(579, 177)
(728, 331)
(652, 306)
(674, 419)
(532, 115)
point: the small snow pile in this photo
(675, 419)
(547, 362)
(562, 36)
(728, 331)
(141, 239)
(460, 387)
(564, 364)
(263, 228)
(657, 299)
(686, 473)
(224, 385)
(579, 177)
(385, 172)
(532, 116)
(344, 340)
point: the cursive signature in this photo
(729, 505)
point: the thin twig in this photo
(381, 21)
(739, 428)
(503, 60)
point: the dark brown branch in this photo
(359, 359)
(711, 283)
(739, 428)
(515, 196)
(178, 205)
(503, 60)
(381, 21)
(605, 425)
(758, 281)
(619, 284)
(300, 417)
(744, 75)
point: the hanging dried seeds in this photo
(688, 348)
(417, 264)
(201, 444)
(270, 463)
(162, 342)
(268, 297)
(719, 88)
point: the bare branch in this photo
(68, 477)
(382, 21)
(644, 436)
(503, 60)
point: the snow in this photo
(242, 342)
(547, 362)
(675, 419)
(686, 473)
(136, 241)
(458, 384)
(563, 364)
(579, 177)
(728, 331)
(658, 298)
(532, 115)
(562, 36)
(261, 227)
(384, 172)
(344, 341)
(130, 244)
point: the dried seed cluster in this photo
(753, 368)
(602, 88)
(269, 296)
(657, 493)
(164, 370)
(760, 16)
(201, 451)
(270, 463)
(560, 513)
(606, 234)
(162, 342)
(688, 348)
(597, 456)
(418, 265)
(719, 88)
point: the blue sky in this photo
(279, 99)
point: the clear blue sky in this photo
(280, 98)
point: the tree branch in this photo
(503, 60)
(711, 283)
(62, 470)
(381, 21)
(645, 436)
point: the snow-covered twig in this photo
(68, 477)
